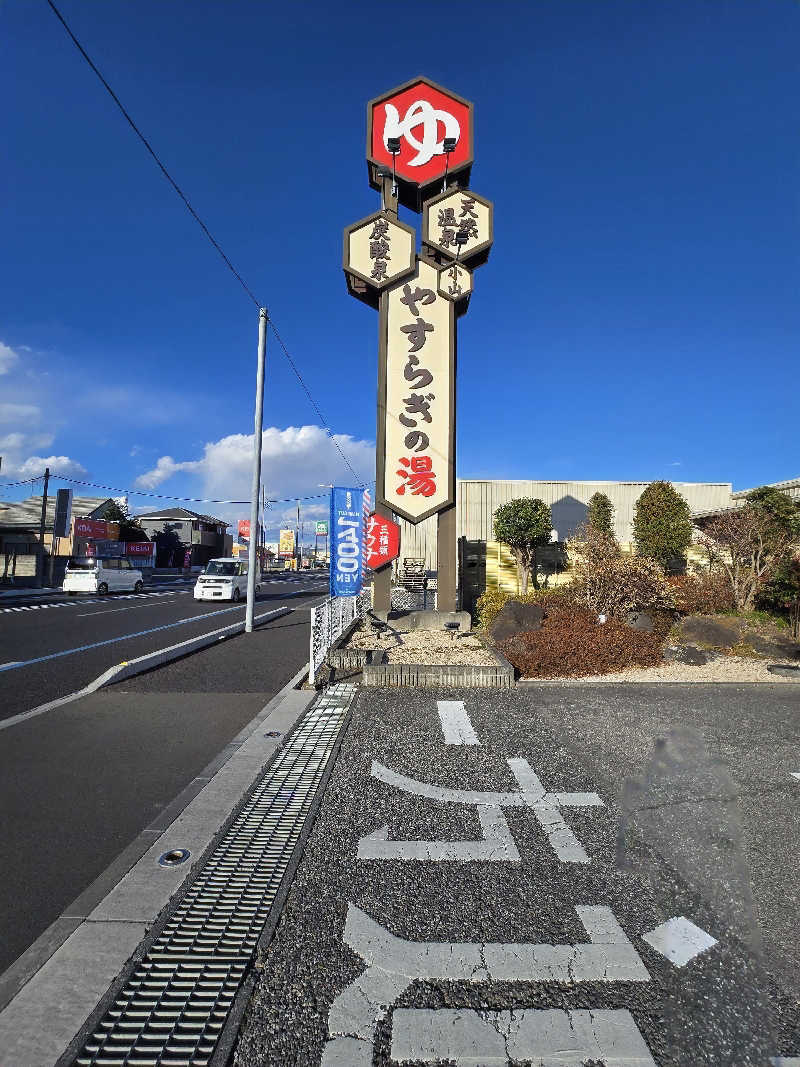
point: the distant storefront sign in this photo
(286, 544)
(347, 541)
(141, 553)
(244, 529)
(322, 529)
(97, 529)
(63, 513)
(187, 558)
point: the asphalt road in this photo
(390, 950)
(77, 784)
(54, 645)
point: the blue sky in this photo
(638, 317)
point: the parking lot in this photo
(560, 874)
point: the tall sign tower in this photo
(419, 155)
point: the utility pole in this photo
(297, 549)
(42, 524)
(256, 482)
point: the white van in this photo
(85, 574)
(223, 579)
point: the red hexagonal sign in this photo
(383, 541)
(421, 115)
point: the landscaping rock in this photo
(514, 618)
(688, 654)
(641, 620)
(786, 672)
(777, 647)
(705, 630)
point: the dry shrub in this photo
(572, 643)
(491, 603)
(615, 585)
(702, 593)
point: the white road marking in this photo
(82, 601)
(531, 794)
(795, 774)
(497, 845)
(11, 663)
(785, 1061)
(496, 1038)
(393, 964)
(456, 727)
(679, 940)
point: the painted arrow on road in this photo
(393, 964)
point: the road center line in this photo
(133, 607)
(456, 727)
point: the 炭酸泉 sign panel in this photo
(418, 478)
(347, 547)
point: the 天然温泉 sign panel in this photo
(347, 541)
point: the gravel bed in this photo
(431, 647)
(724, 669)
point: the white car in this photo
(85, 574)
(223, 579)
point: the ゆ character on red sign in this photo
(416, 119)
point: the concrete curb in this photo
(129, 668)
(40, 974)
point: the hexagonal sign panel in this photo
(378, 251)
(459, 224)
(421, 120)
(455, 282)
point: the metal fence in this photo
(329, 620)
(414, 599)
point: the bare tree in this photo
(748, 544)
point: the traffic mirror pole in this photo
(252, 555)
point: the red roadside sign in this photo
(383, 541)
(429, 128)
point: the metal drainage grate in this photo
(173, 1006)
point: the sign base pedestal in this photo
(447, 587)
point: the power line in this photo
(152, 152)
(314, 404)
(180, 499)
(205, 230)
(25, 481)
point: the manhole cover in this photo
(174, 857)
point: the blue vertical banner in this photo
(347, 541)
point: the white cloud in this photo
(164, 469)
(11, 413)
(18, 442)
(19, 463)
(8, 357)
(294, 462)
(34, 465)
